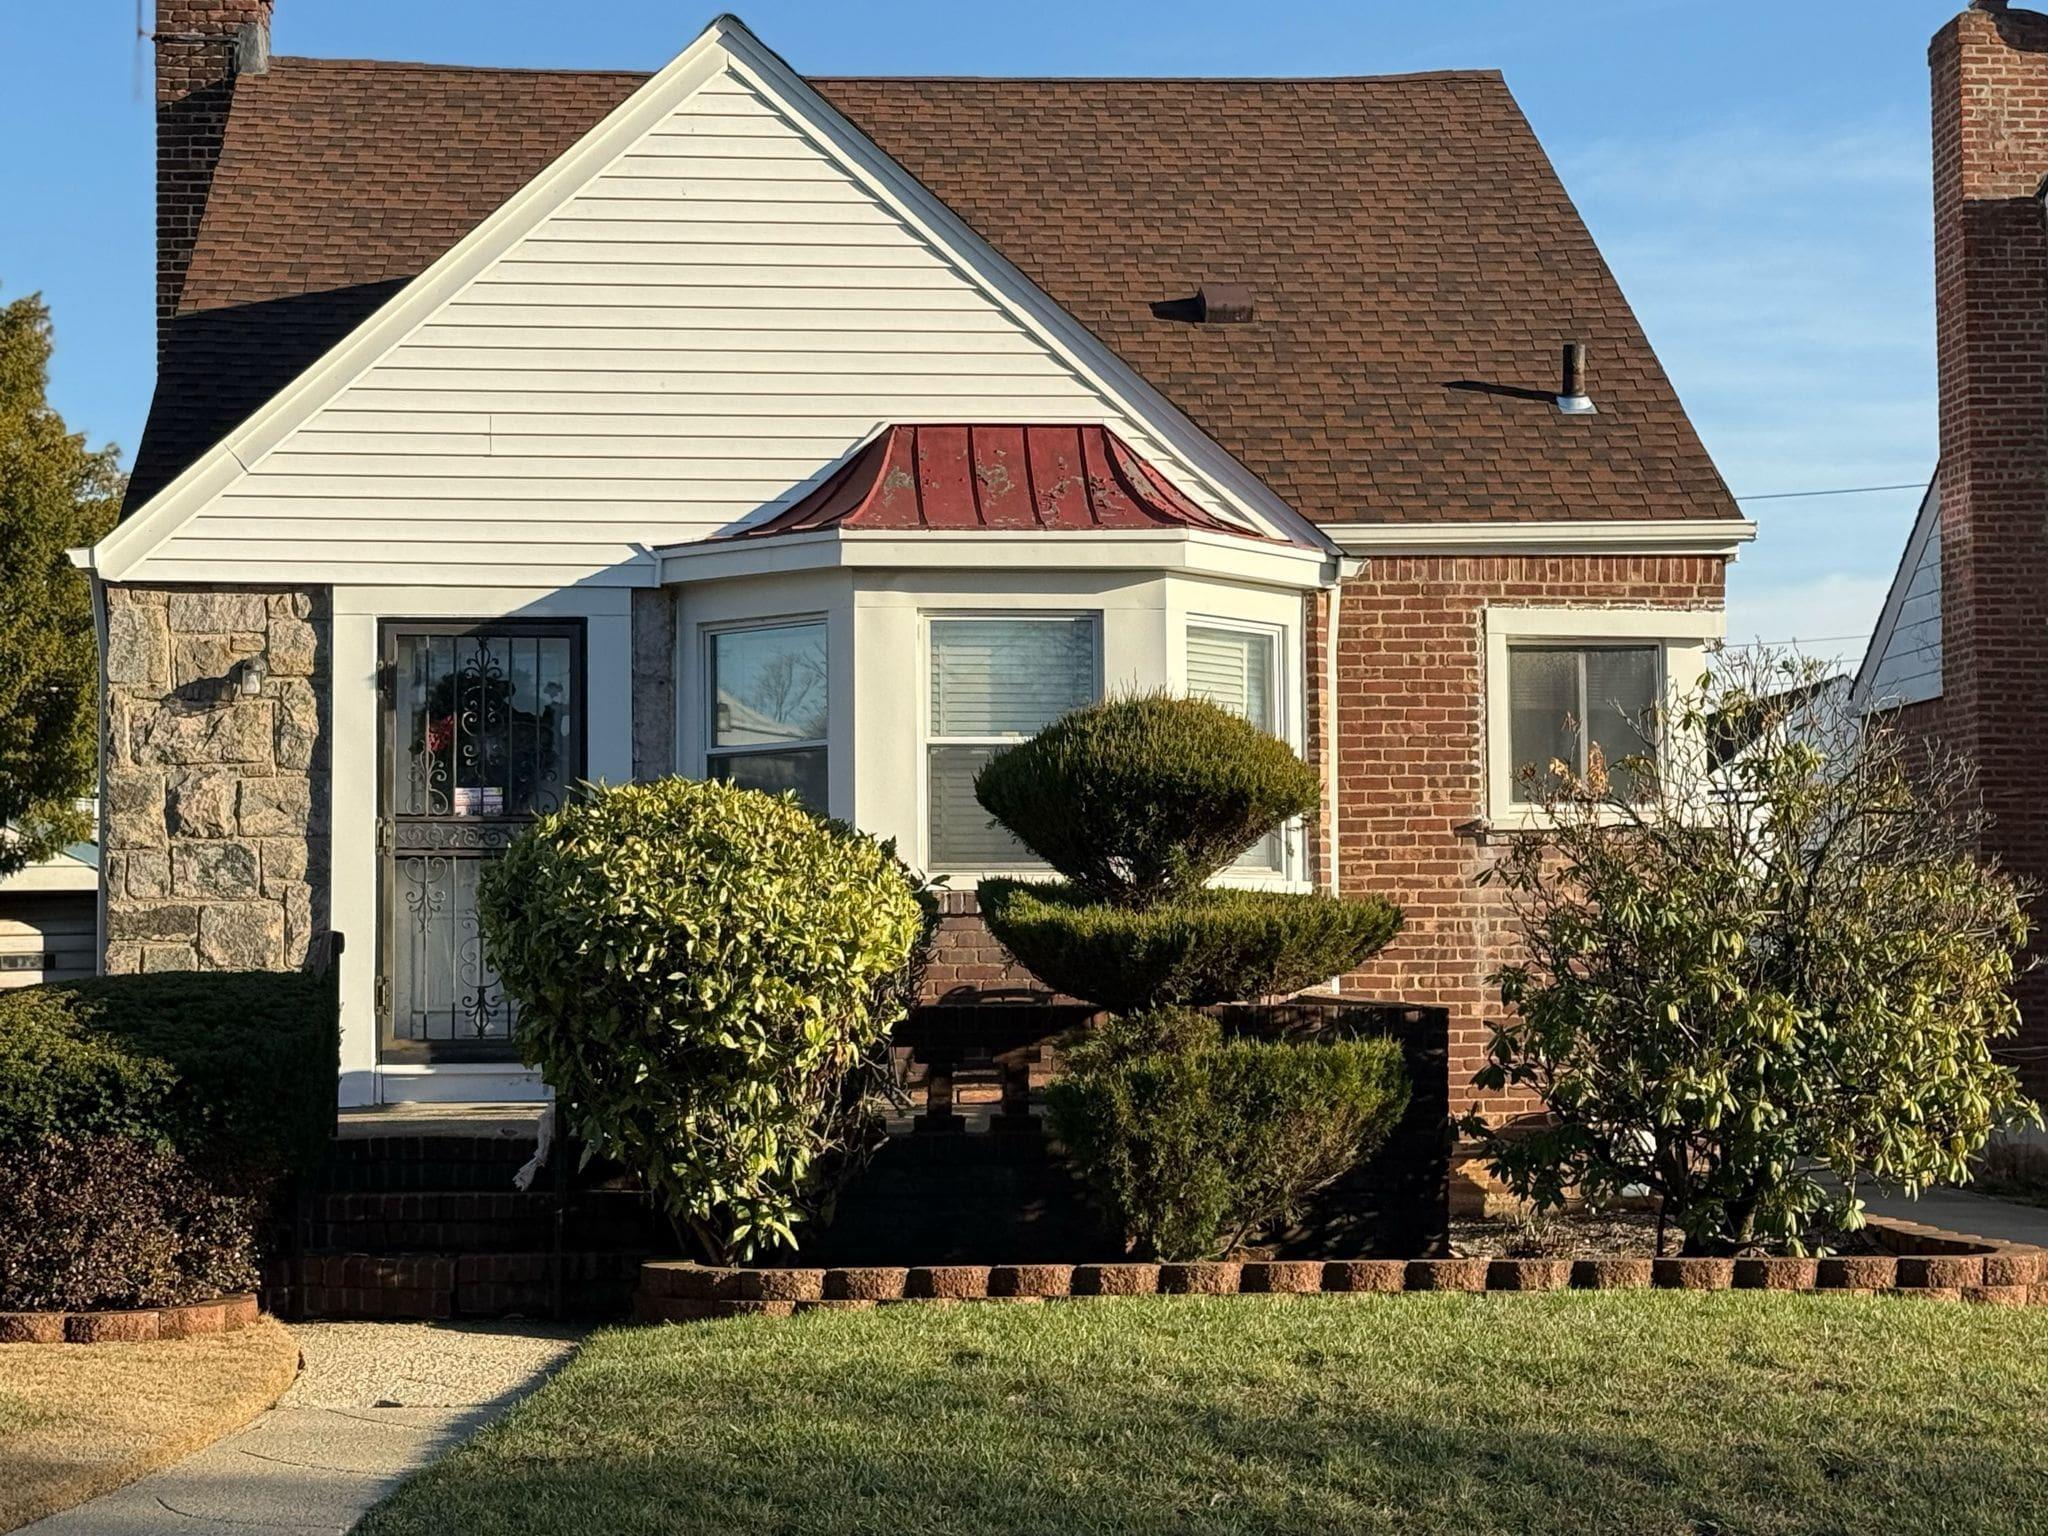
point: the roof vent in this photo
(1572, 398)
(1223, 303)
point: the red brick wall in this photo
(1411, 759)
(1990, 100)
(966, 959)
(195, 69)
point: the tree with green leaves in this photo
(55, 494)
(1763, 961)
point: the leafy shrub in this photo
(60, 1079)
(707, 977)
(110, 1222)
(1211, 946)
(1141, 800)
(235, 1071)
(1199, 1148)
(257, 1055)
(1770, 972)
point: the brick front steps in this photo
(1922, 1262)
(431, 1227)
(136, 1325)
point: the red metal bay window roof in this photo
(1058, 479)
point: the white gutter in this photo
(1630, 536)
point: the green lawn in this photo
(1583, 1413)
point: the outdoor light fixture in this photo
(249, 674)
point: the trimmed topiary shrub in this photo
(1211, 946)
(708, 978)
(1139, 803)
(1191, 1144)
(235, 1072)
(1201, 1146)
(1141, 800)
(110, 1222)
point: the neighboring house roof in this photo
(1059, 479)
(1902, 664)
(1413, 261)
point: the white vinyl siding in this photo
(1234, 669)
(47, 937)
(1906, 650)
(995, 682)
(702, 332)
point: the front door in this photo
(482, 732)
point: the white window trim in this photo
(1292, 854)
(968, 879)
(707, 658)
(1682, 634)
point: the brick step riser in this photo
(494, 1236)
(437, 1286)
(415, 1178)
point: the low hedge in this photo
(110, 1222)
(1211, 946)
(1202, 1146)
(233, 1071)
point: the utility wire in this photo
(1847, 490)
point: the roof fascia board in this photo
(1924, 522)
(1226, 556)
(133, 539)
(1076, 345)
(1664, 536)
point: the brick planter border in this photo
(135, 1325)
(1920, 1261)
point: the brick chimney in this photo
(202, 46)
(1990, 79)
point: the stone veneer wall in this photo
(216, 807)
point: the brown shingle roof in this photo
(1401, 237)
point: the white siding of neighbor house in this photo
(698, 334)
(1904, 662)
(48, 936)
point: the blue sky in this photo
(1756, 173)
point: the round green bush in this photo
(1143, 799)
(1214, 946)
(705, 974)
(1198, 1148)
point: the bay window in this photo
(995, 682)
(1236, 670)
(769, 709)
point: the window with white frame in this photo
(1564, 700)
(769, 709)
(1238, 670)
(994, 682)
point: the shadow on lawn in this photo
(836, 1461)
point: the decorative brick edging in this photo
(137, 1325)
(1922, 1261)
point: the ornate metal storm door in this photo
(482, 732)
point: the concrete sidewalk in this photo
(1959, 1210)
(376, 1402)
